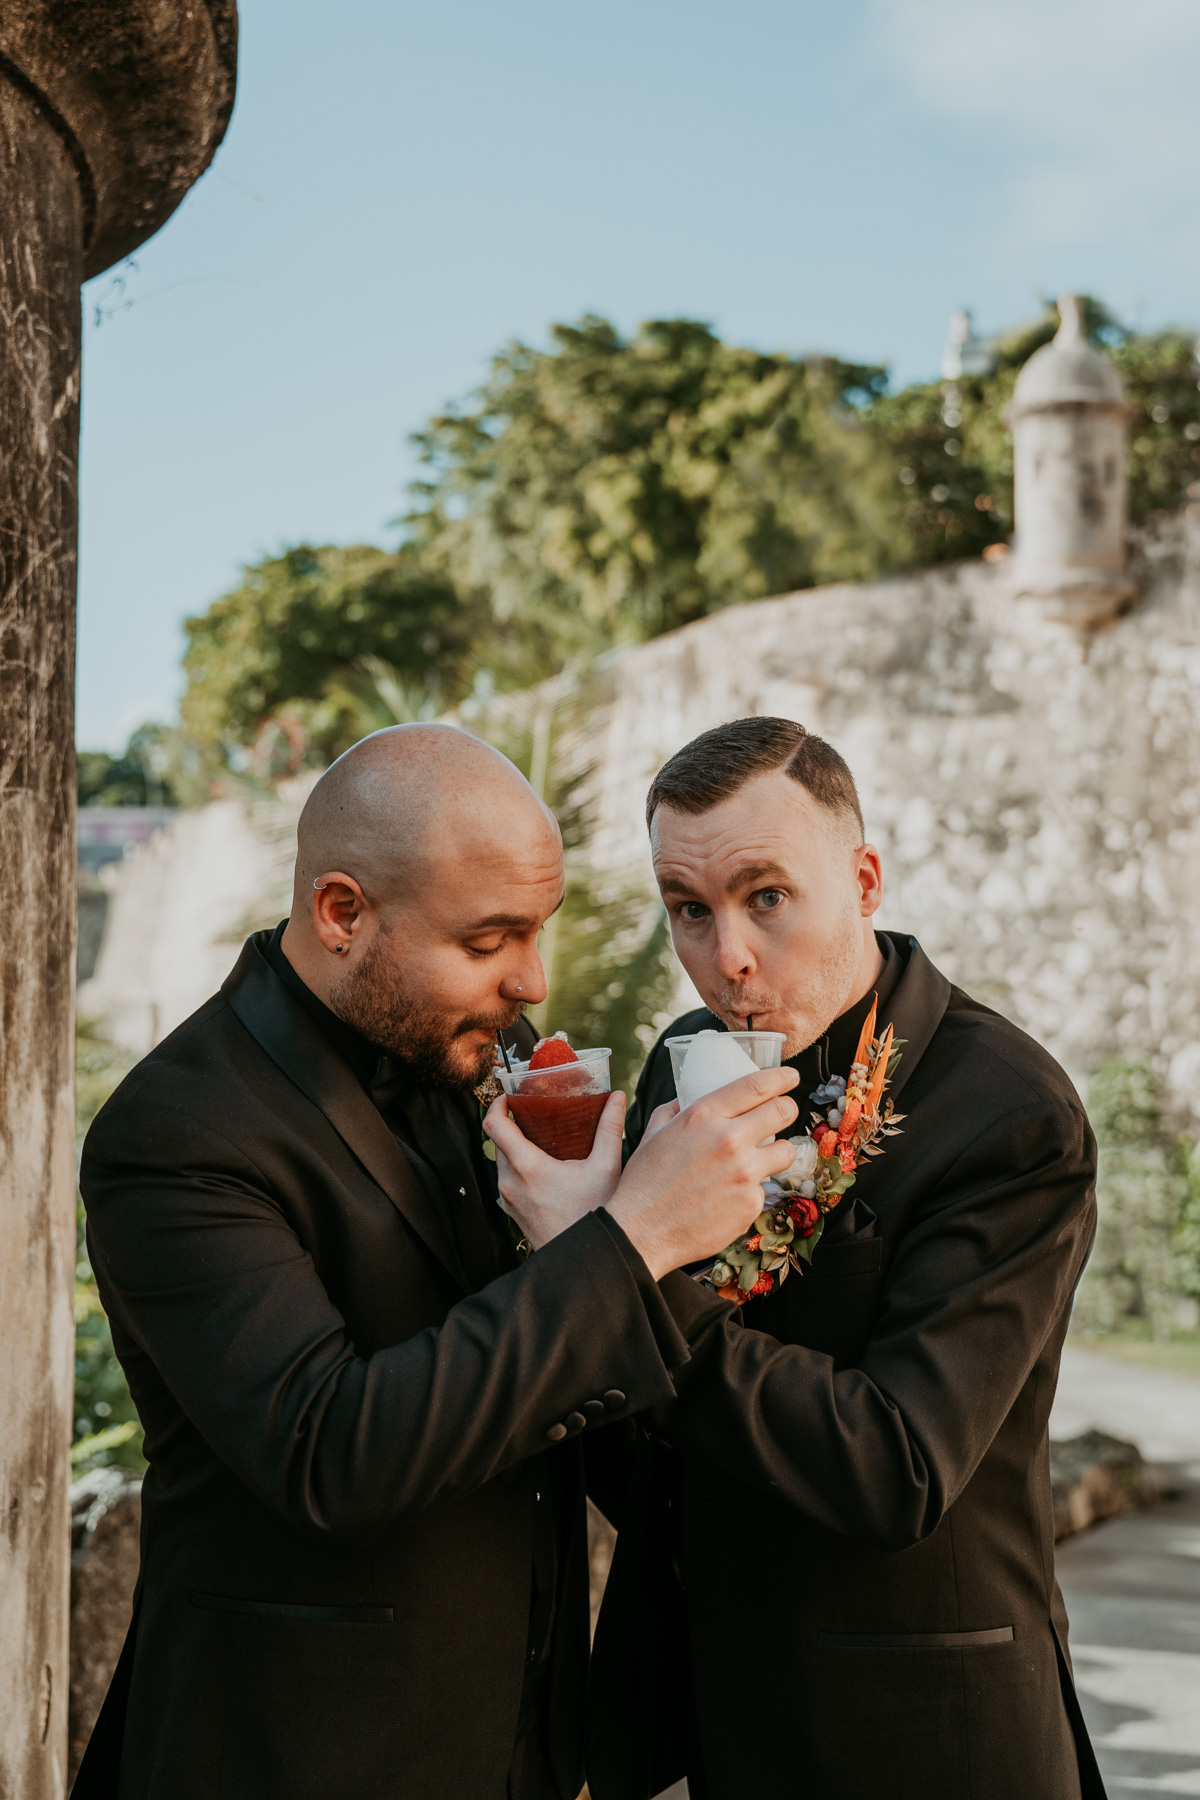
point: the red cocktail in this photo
(558, 1104)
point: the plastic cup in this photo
(559, 1108)
(765, 1049)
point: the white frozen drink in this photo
(712, 1061)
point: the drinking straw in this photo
(503, 1052)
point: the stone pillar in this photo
(41, 263)
(109, 110)
(1069, 420)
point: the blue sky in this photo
(404, 188)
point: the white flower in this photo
(804, 1162)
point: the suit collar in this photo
(277, 1022)
(915, 1008)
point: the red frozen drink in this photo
(557, 1098)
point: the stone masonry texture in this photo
(1034, 791)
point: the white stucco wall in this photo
(180, 908)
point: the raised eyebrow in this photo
(759, 871)
(672, 884)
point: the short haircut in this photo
(716, 764)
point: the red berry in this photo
(550, 1052)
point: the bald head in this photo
(402, 803)
(426, 868)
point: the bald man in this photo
(363, 1542)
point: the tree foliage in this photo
(284, 642)
(607, 488)
(1145, 1255)
(106, 1422)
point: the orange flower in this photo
(827, 1143)
(755, 1242)
(849, 1119)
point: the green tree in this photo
(606, 489)
(950, 439)
(106, 1422)
(283, 643)
(609, 489)
(1146, 1199)
(156, 768)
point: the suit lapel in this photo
(916, 1009)
(292, 1040)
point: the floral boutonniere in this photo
(852, 1117)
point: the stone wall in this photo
(1035, 793)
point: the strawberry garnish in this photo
(551, 1051)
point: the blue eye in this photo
(769, 897)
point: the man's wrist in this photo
(643, 1241)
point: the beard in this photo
(820, 993)
(375, 999)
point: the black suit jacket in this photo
(337, 1516)
(843, 1526)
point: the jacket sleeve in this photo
(977, 1285)
(202, 1273)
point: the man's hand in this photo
(546, 1196)
(695, 1185)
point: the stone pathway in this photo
(1132, 1585)
(1152, 1408)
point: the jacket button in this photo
(574, 1421)
(556, 1434)
(613, 1399)
(594, 1409)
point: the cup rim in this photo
(691, 1036)
(517, 1067)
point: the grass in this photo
(1132, 1342)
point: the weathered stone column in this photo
(109, 110)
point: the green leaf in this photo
(87, 1447)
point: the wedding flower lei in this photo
(852, 1118)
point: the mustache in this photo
(492, 1022)
(743, 1001)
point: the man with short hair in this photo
(364, 1567)
(834, 1574)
